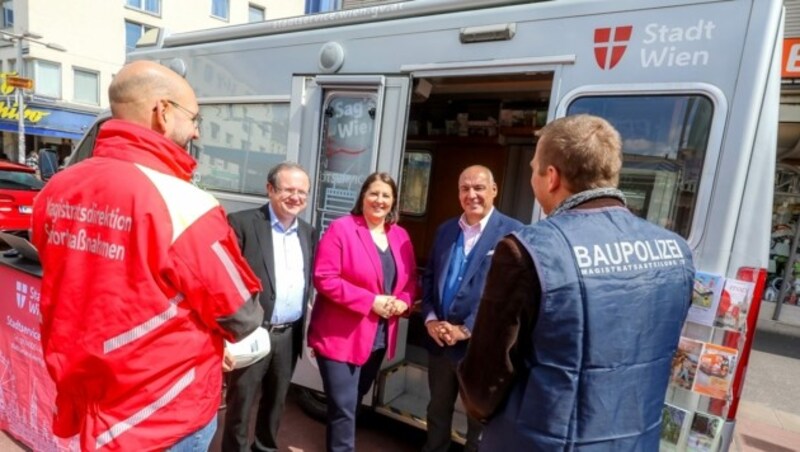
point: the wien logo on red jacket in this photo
(610, 44)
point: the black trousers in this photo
(272, 376)
(443, 384)
(345, 384)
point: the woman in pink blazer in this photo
(365, 276)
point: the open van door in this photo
(356, 125)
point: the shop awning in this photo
(47, 121)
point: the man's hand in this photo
(445, 333)
(228, 361)
(450, 334)
(433, 331)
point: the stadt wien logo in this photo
(22, 294)
(610, 44)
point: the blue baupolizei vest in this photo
(615, 293)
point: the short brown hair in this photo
(586, 150)
(358, 209)
(272, 176)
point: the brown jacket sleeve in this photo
(501, 336)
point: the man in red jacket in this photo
(142, 278)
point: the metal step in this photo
(404, 396)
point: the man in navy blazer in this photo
(452, 286)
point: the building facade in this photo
(71, 51)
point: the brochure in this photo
(734, 305)
(704, 434)
(715, 370)
(705, 298)
(684, 363)
(672, 422)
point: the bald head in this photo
(146, 93)
(477, 169)
(138, 86)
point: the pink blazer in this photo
(348, 276)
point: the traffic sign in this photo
(19, 82)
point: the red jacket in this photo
(142, 280)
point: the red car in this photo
(18, 186)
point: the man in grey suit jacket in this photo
(451, 289)
(279, 247)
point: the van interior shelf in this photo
(518, 131)
(455, 139)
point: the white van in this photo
(425, 88)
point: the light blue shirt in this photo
(290, 283)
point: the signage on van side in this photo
(662, 45)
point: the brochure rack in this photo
(709, 366)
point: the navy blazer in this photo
(464, 307)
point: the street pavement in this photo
(769, 413)
(768, 418)
(300, 433)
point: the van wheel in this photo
(313, 403)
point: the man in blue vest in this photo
(582, 311)
(452, 286)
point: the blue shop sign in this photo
(45, 120)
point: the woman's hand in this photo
(383, 305)
(398, 307)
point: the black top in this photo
(389, 269)
(389, 279)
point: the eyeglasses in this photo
(288, 192)
(195, 117)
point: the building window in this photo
(255, 13)
(8, 13)
(87, 87)
(220, 8)
(134, 31)
(150, 6)
(47, 77)
(322, 6)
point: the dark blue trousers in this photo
(345, 384)
(443, 384)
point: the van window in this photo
(664, 140)
(238, 145)
(416, 180)
(347, 152)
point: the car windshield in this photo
(18, 180)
